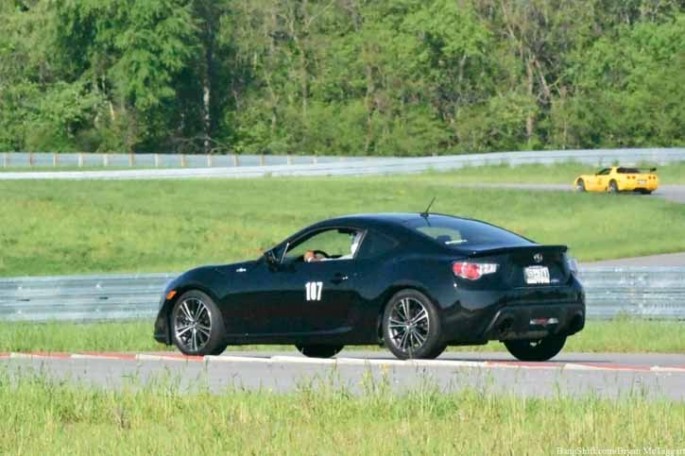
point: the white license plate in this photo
(641, 181)
(536, 275)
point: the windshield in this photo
(457, 233)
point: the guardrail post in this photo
(289, 160)
(209, 160)
(131, 160)
(235, 160)
(54, 160)
(80, 159)
(183, 160)
(105, 160)
(261, 159)
(156, 160)
(5, 160)
(31, 159)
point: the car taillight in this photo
(473, 271)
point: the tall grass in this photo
(618, 336)
(58, 227)
(41, 416)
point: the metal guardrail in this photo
(357, 166)
(657, 293)
(27, 160)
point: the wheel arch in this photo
(392, 291)
(180, 291)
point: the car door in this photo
(321, 295)
(601, 181)
(297, 297)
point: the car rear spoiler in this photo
(516, 249)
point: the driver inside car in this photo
(312, 256)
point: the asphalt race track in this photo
(605, 375)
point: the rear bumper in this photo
(529, 313)
(535, 321)
(636, 185)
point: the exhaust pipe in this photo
(504, 326)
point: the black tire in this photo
(536, 350)
(319, 351)
(411, 326)
(613, 187)
(580, 185)
(646, 192)
(197, 327)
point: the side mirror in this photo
(271, 258)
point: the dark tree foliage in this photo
(353, 77)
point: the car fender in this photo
(204, 279)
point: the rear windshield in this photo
(459, 233)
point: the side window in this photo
(339, 243)
(604, 172)
(375, 244)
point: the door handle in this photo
(339, 278)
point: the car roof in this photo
(381, 218)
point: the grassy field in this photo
(52, 227)
(44, 417)
(619, 336)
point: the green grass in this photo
(66, 227)
(619, 336)
(46, 417)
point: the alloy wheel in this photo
(409, 325)
(193, 324)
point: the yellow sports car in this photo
(618, 179)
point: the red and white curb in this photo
(342, 361)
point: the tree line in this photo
(355, 77)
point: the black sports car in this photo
(414, 282)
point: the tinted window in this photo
(375, 244)
(628, 171)
(604, 172)
(454, 232)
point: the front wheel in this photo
(536, 350)
(613, 187)
(319, 351)
(411, 326)
(197, 327)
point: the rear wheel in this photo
(613, 187)
(319, 351)
(411, 326)
(197, 327)
(646, 192)
(580, 185)
(536, 350)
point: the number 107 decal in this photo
(313, 290)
